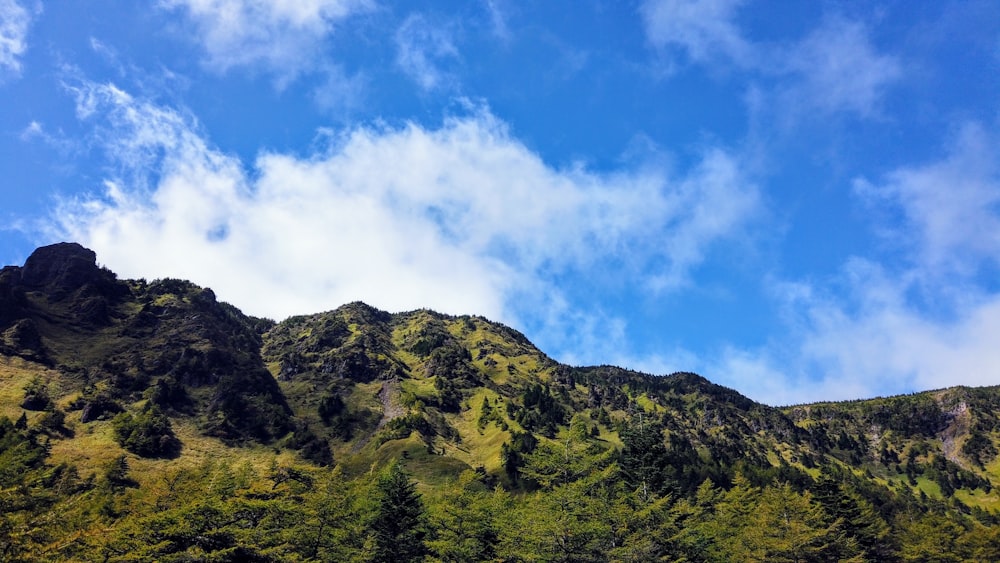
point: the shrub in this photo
(147, 434)
(36, 396)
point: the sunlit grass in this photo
(930, 488)
(15, 374)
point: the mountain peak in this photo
(62, 267)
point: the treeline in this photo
(581, 501)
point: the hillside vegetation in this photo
(145, 420)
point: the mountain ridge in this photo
(163, 375)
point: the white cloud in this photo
(703, 29)
(497, 10)
(339, 92)
(880, 342)
(284, 37)
(872, 344)
(32, 131)
(923, 319)
(833, 68)
(838, 69)
(421, 49)
(712, 206)
(14, 22)
(462, 218)
(951, 207)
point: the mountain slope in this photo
(349, 381)
(168, 341)
(161, 377)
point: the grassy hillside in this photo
(159, 423)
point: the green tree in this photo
(147, 434)
(399, 526)
(643, 458)
(857, 518)
(696, 535)
(727, 530)
(465, 522)
(567, 523)
(116, 474)
(788, 526)
(331, 527)
(981, 543)
(930, 538)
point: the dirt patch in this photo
(391, 407)
(958, 427)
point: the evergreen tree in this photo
(465, 523)
(788, 526)
(696, 533)
(147, 434)
(331, 528)
(855, 516)
(929, 538)
(116, 474)
(400, 525)
(644, 458)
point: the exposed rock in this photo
(69, 272)
(23, 339)
(62, 267)
(100, 407)
(12, 300)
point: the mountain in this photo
(245, 435)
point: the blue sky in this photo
(799, 200)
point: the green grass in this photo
(930, 488)
(422, 389)
(647, 404)
(15, 373)
(978, 498)
(479, 447)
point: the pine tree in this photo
(116, 474)
(854, 515)
(331, 529)
(465, 524)
(788, 526)
(643, 459)
(400, 524)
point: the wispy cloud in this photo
(340, 93)
(836, 68)
(463, 218)
(703, 29)
(280, 38)
(15, 20)
(833, 68)
(878, 341)
(925, 319)
(422, 48)
(951, 207)
(497, 10)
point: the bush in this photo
(98, 407)
(147, 434)
(310, 446)
(36, 396)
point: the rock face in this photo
(67, 272)
(12, 300)
(62, 267)
(23, 339)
